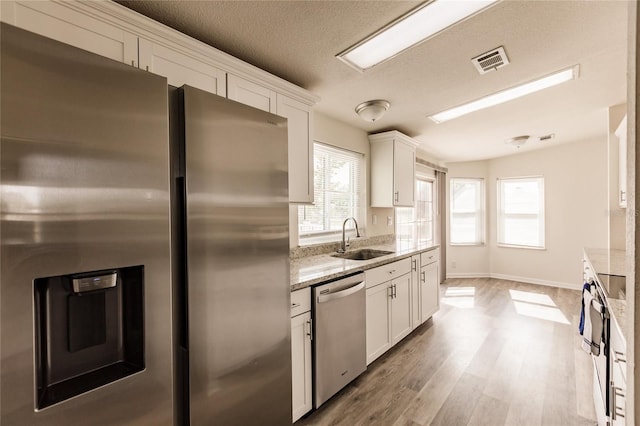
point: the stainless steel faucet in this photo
(344, 245)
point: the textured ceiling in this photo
(298, 41)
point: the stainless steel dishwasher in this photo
(340, 335)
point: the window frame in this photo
(415, 220)
(308, 238)
(541, 213)
(479, 213)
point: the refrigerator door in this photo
(238, 262)
(84, 189)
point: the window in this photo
(521, 212)
(467, 211)
(416, 224)
(339, 193)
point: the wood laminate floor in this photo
(497, 353)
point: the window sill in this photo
(521, 247)
(467, 244)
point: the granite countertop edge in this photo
(312, 270)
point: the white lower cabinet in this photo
(301, 386)
(378, 321)
(429, 290)
(388, 306)
(400, 308)
(429, 284)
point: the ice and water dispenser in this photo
(89, 330)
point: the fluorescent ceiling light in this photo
(410, 29)
(507, 95)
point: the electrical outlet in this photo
(389, 221)
(374, 219)
(453, 264)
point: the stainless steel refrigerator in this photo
(231, 261)
(84, 238)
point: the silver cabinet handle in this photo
(395, 291)
(396, 196)
(623, 196)
(414, 264)
(390, 292)
(393, 271)
(424, 276)
(294, 305)
(309, 331)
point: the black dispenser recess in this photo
(89, 330)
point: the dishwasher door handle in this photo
(322, 298)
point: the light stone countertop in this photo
(610, 262)
(308, 271)
(605, 261)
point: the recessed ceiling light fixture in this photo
(508, 95)
(372, 110)
(416, 26)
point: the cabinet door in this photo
(430, 290)
(415, 292)
(252, 94)
(378, 321)
(59, 21)
(404, 163)
(301, 364)
(401, 308)
(299, 124)
(180, 68)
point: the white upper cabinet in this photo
(621, 133)
(252, 94)
(299, 123)
(299, 120)
(393, 167)
(62, 22)
(181, 68)
(111, 30)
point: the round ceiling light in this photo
(517, 141)
(372, 110)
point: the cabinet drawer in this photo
(429, 257)
(300, 301)
(387, 272)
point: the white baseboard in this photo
(469, 275)
(516, 278)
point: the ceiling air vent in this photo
(491, 60)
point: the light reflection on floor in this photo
(537, 305)
(460, 297)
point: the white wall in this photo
(336, 133)
(617, 219)
(576, 204)
(467, 260)
(576, 201)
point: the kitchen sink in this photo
(363, 254)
